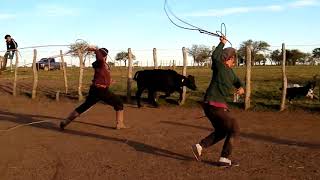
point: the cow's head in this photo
(310, 86)
(190, 82)
(310, 94)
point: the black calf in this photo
(167, 81)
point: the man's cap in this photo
(5, 37)
(104, 51)
(228, 53)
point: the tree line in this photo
(201, 54)
(261, 53)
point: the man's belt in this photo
(100, 86)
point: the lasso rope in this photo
(83, 46)
(22, 125)
(168, 11)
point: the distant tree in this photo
(81, 47)
(136, 63)
(294, 56)
(316, 53)
(200, 53)
(111, 64)
(276, 56)
(258, 47)
(306, 59)
(123, 56)
(261, 59)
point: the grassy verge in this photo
(266, 81)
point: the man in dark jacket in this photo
(11, 49)
(99, 91)
(215, 106)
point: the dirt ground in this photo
(157, 146)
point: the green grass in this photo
(266, 81)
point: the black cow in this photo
(306, 91)
(167, 81)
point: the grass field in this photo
(266, 81)
(273, 145)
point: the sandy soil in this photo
(157, 146)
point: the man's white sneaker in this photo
(196, 150)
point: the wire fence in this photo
(143, 57)
(51, 83)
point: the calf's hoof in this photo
(156, 105)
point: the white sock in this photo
(199, 147)
(225, 160)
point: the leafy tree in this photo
(124, 56)
(316, 53)
(111, 64)
(260, 58)
(294, 56)
(276, 56)
(136, 63)
(81, 47)
(316, 56)
(200, 53)
(306, 59)
(258, 47)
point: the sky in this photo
(143, 25)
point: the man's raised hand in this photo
(223, 39)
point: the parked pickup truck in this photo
(49, 64)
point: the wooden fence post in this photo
(16, 74)
(155, 59)
(35, 75)
(184, 73)
(129, 81)
(80, 75)
(174, 65)
(4, 63)
(1, 63)
(284, 79)
(64, 72)
(11, 66)
(58, 96)
(248, 79)
(49, 64)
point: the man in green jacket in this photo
(215, 107)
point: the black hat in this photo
(104, 51)
(7, 36)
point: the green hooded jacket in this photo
(223, 78)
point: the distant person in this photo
(99, 91)
(215, 106)
(11, 49)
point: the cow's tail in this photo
(136, 75)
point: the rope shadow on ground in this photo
(255, 136)
(138, 146)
